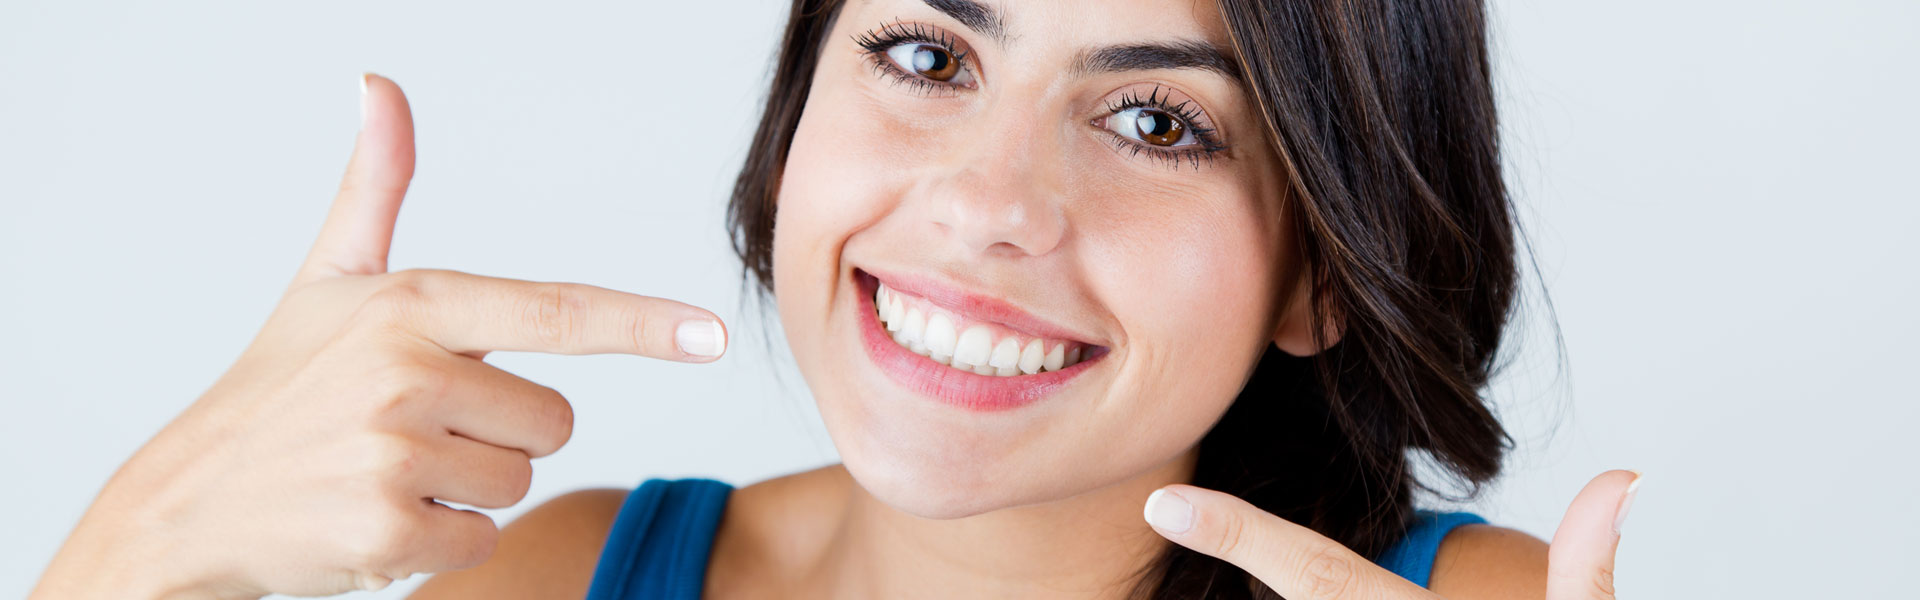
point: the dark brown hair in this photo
(1382, 112)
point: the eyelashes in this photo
(882, 49)
(929, 61)
(1202, 141)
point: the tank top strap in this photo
(1412, 556)
(661, 541)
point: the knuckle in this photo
(379, 545)
(1594, 581)
(399, 294)
(391, 458)
(400, 381)
(1328, 573)
(1603, 582)
(554, 314)
(1232, 535)
(643, 327)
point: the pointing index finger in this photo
(470, 314)
(1295, 561)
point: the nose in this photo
(1000, 190)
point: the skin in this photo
(933, 501)
(366, 396)
(313, 465)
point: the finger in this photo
(467, 313)
(359, 227)
(497, 408)
(473, 473)
(1580, 561)
(1295, 561)
(449, 539)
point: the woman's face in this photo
(1033, 182)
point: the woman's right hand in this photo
(313, 466)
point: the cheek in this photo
(1210, 259)
(833, 184)
(846, 169)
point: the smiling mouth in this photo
(978, 346)
(960, 334)
(971, 349)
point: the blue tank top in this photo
(661, 540)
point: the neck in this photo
(1091, 545)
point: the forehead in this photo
(1016, 23)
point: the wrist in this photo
(121, 558)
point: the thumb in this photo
(1580, 561)
(359, 227)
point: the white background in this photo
(1720, 195)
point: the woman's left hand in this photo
(1303, 565)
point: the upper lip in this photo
(975, 306)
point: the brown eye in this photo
(1158, 128)
(930, 61)
(933, 62)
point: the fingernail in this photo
(1626, 502)
(1169, 512)
(373, 583)
(701, 337)
(363, 97)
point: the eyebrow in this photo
(1180, 54)
(976, 16)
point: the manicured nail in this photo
(701, 337)
(1626, 502)
(1169, 512)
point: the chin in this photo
(927, 491)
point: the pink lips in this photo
(972, 391)
(974, 306)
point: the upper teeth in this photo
(980, 348)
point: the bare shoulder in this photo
(549, 552)
(774, 532)
(768, 531)
(1486, 562)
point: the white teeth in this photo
(1006, 354)
(894, 308)
(973, 347)
(915, 332)
(940, 336)
(933, 335)
(1033, 357)
(1006, 357)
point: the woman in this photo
(1097, 298)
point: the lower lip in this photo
(972, 391)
